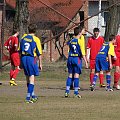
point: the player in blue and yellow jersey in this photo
(104, 62)
(30, 49)
(74, 62)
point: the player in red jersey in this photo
(117, 63)
(12, 46)
(93, 46)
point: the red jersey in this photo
(94, 44)
(117, 46)
(11, 44)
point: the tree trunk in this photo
(22, 16)
(113, 19)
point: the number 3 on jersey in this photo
(27, 45)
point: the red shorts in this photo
(92, 64)
(15, 59)
(116, 62)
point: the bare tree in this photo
(22, 16)
(59, 45)
(113, 19)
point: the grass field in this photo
(50, 87)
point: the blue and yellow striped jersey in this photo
(30, 45)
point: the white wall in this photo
(93, 8)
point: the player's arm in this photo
(16, 44)
(40, 62)
(86, 63)
(6, 44)
(88, 54)
(39, 51)
(88, 50)
(82, 47)
(111, 52)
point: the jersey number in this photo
(102, 48)
(74, 47)
(27, 45)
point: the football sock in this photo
(28, 96)
(13, 79)
(95, 79)
(33, 95)
(76, 85)
(30, 90)
(108, 80)
(68, 83)
(101, 77)
(16, 71)
(91, 78)
(11, 73)
(72, 83)
(116, 78)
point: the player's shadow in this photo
(64, 88)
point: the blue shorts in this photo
(101, 65)
(30, 65)
(74, 65)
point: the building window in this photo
(10, 14)
(105, 16)
(81, 13)
(1, 1)
(44, 47)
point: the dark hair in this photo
(96, 30)
(111, 37)
(15, 30)
(32, 28)
(77, 30)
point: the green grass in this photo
(50, 87)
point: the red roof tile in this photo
(40, 12)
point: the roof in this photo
(97, 0)
(41, 13)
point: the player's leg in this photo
(97, 69)
(72, 83)
(15, 62)
(16, 71)
(108, 81)
(69, 78)
(94, 81)
(34, 72)
(30, 88)
(77, 71)
(68, 84)
(12, 79)
(92, 71)
(117, 74)
(101, 77)
(11, 71)
(116, 77)
(76, 85)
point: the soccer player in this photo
(93, 46)
(30, 49)
(81, 41)
(104, 62)
(74, 63)
(117, 63)
(12, 46)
